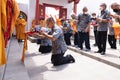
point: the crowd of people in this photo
(54, 36)
(103, 28)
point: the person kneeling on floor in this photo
(58, 44)
(46, 44)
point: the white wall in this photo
(31, 12)
(23, 5)
(29, 7)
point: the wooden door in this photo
(42, 11)
(63, 12)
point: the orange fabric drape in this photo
(15, 14)
(2, 29)
(12, 14)
(74, 27)
(25, 45)
(116, 27)
(3, 14)
(58, 22)
(9, 6)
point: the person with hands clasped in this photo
(58, 44)
(103, 23)
(83, 29)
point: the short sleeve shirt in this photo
(69, 28)
(83, 21)
(103, 26)
(59, 45)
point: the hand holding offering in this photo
(99, 19)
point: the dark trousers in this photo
(76, 38)
(67, 38)
(38, 41)
(101, 40)
(83, 37)
(112, 41)
(45, 49)
(59, 59)
(95, 35)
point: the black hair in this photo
(104, 4)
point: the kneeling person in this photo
(46, 44)
(58, 44)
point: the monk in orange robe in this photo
(116, 27)
(73, 23)
(20, 28)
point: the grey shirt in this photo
(103, 26)
(83, 21)
(59, 45)
(69, 28)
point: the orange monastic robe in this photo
(15, 14)
(58, 21)
(2, 29)
(116, 27)
(12, 14)
(73, 24)
(20, 28)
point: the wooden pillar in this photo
(75, 7)
(37, 12)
